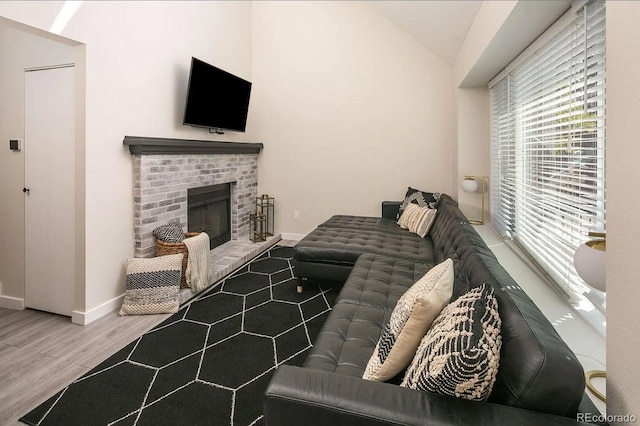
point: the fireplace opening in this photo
(209, 210)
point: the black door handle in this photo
(25, 190)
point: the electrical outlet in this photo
(296, 214)
(15, 145)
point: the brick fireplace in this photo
(164, 170)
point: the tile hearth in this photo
(228, 257)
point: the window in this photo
(548, 145)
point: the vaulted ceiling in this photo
(441, 26)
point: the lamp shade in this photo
(469, 185)
(590, 261)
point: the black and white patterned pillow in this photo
(459, 356)
(153, 285)
(170, 233)
(421, 198)
(409, 321)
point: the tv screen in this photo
(215, 98)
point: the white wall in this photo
(623, 229)
(351, 111)
(473, 136)
(137, 65)
(18, 50)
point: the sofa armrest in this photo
(390, 209)
(299, 395)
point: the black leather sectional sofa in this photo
(539, 380)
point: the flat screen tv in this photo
(216, 99)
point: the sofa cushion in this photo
(410, 320)
(379, 281)
(365, 224)
(459, 355)
(358, 222)
(417, 219)
(345, 245)
(347, 338)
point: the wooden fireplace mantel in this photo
(140, 145)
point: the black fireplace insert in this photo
(209, 210)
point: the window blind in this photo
(548, 146)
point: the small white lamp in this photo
(590, 263)
(470, 184)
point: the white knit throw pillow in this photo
(417, 219)
(409, 321)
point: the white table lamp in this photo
(473, 184)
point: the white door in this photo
(49, 147)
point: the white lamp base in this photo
(590, 265)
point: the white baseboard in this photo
(293, 237)
(9, 302)
(84, 318)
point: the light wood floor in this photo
(41, 353)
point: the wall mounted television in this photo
(216, 99)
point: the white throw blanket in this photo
(198, 263)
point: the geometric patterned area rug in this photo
(210, 363)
